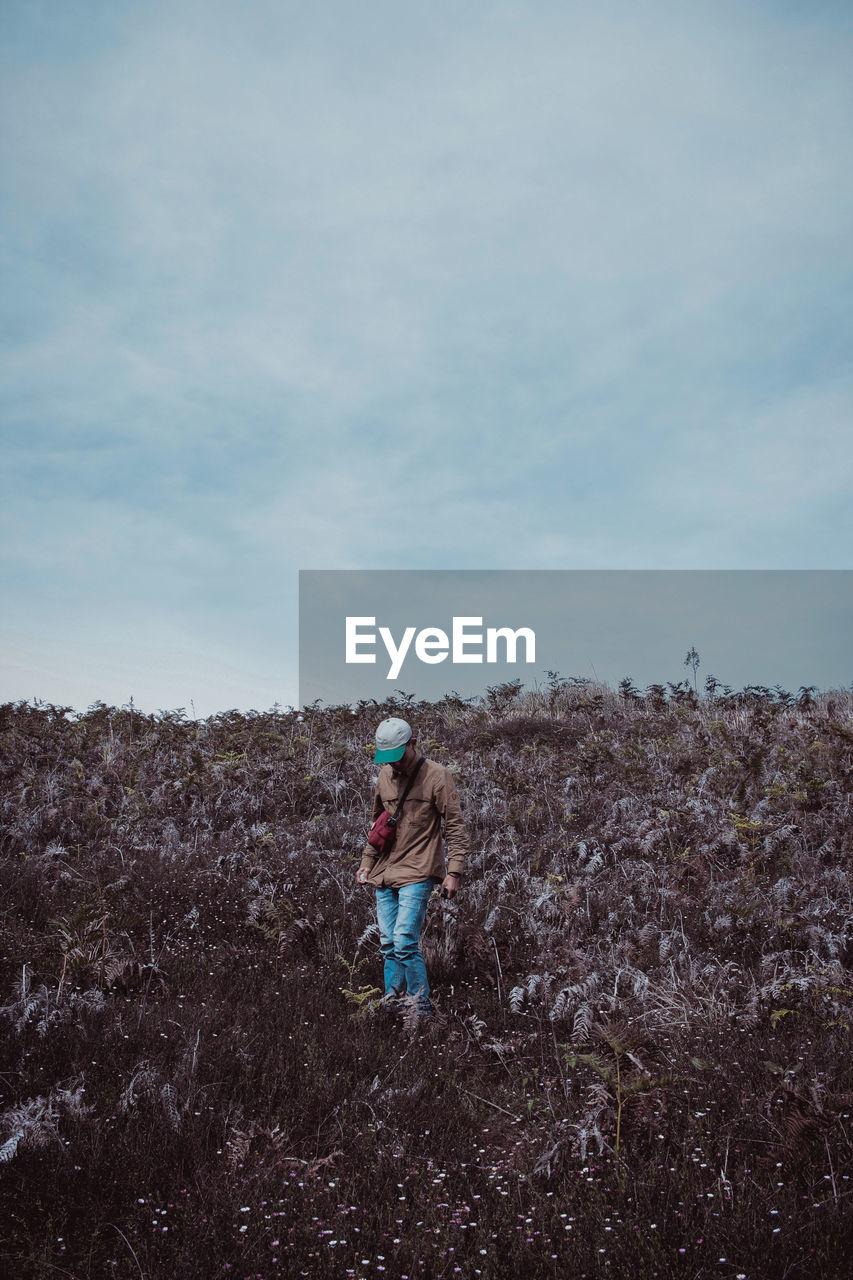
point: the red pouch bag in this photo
(384, 830)
(382, 833)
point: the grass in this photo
(641, 1059)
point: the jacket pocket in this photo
(419, 815)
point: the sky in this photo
(405, 285)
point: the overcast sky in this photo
(414, 284)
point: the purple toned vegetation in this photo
(640, 1064)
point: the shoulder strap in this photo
(412, 777)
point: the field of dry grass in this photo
(640, 1064)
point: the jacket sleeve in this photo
(370, 854)
(455, 835)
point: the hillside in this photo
(640, 1064)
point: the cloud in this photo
(534, 288)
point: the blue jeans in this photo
(401, 913)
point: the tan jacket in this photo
(417, 851)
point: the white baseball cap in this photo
(391, 738)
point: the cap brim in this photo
(393, 753)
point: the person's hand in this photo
(449, 885)
(361, 875)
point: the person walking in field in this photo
(404, 857)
